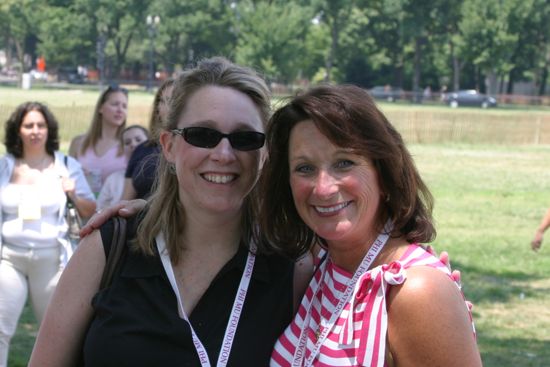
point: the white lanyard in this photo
(235, 312)
(300, 351)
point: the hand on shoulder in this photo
(429, 323)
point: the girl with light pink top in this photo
(100, 150)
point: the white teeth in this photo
(221, 179)
(332, 209)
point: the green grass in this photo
(489, 201)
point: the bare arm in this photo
(539, 234)
(84, 206)
(62, 332)
(129, 192)
(75, 145)
(428, 322)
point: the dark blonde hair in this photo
(165, 211)
(94, 132)
(155, 122)
(349, 118)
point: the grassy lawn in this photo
(489, 201)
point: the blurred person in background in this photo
(34, 184)
(112, 189)
(100, 150)
(536, 243)
(142, 166)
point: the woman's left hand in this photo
(69, 186)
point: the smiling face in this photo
(115, 108)
(34, 131)
(336, 192)
(215, 179)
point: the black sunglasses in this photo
(204, 137)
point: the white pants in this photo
(24, 271)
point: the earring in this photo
(172, 168)
(387, 198)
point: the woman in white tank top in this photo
(35, 182)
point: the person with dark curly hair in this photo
(35, 183)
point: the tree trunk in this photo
(332, 52)
(456, 67)
(416, 75)
(492, 82)
(511, 80)
(543, 79)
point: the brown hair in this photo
(165, 211)
(12, 140)
(94, 132)
(349, 118)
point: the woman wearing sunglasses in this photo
(197, 287)
(100, 150)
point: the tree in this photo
(20, 20)
(276, 46)
(55, 45)
(192, 29)
(488, 42)
(335, 13)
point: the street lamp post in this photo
(152, 24)
(101, 41)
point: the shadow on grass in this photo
(497, 352)
(482, 285)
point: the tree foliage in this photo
(485, 44)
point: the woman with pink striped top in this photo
(377, 298)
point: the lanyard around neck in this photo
(300, 352)
(236, 311)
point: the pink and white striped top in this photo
(358, 337)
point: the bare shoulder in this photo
(75, 145)
(438, 328)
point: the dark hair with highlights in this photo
(12, 140)
(349, 118)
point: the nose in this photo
(325, 185)
(223, 152)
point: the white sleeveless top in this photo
(30, 213)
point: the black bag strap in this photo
(118, 244)
(70, 202)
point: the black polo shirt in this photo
(137, 322)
